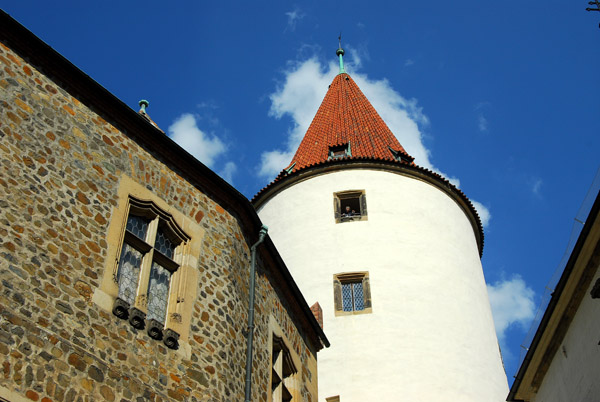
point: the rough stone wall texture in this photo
(59, 174)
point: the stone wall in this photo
(60, 172)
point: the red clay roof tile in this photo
(346, 116)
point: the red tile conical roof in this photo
(348, 132)
(347, 122)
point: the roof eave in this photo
(285, 179)
(556, 295)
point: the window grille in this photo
(352, 296)
(352, 293)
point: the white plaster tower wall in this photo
(430, 335)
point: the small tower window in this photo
(350, 206)
(339, 151)
(352, 293)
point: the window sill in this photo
(354, 218)
(368, 310)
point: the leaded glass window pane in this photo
(347, 296)
(128, 273)
(358, 296)
(158, 292)
(138, 226)
(352, 296)
(164, 244)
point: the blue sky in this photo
(497, 96)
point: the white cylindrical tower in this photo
(391, 252)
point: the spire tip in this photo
(340, 53)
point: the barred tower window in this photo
(352, 293)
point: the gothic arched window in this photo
(150, 254)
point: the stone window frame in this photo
(288, 358)
(339, 151)
(351, 277)
(357, 198)
(157, 224)
(132, 196)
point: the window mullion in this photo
(152, 229)
(141, 301)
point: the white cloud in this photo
(512, 303)
(403, 116)
(273, 162)
(537, 187)
(228, 172)
(356, 55)
(300, 96)
(408, 62)
(303, 90)
(453, 180)
(206, 148)
(484, 213)
(482, 123)
(293, 18)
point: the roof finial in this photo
(143, 105)
(340, 54)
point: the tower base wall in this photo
(429, 335)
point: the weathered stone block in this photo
(76, 361)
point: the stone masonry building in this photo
(124, 262)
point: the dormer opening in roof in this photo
(290, 169)
(400, 156)
(340, 54)
(339, 151)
